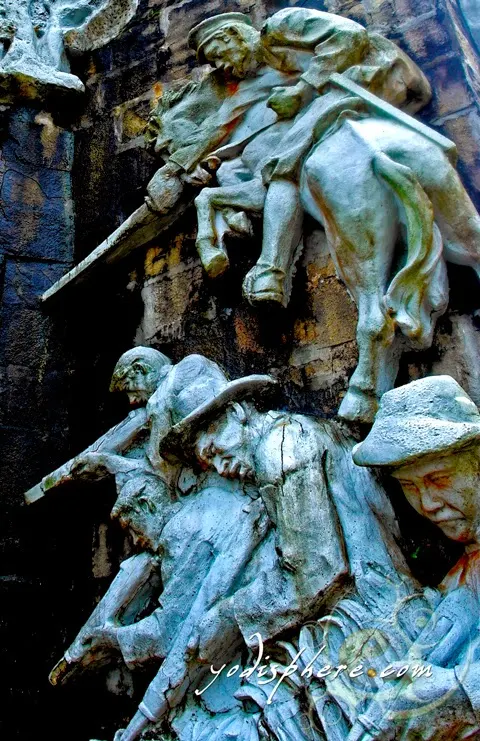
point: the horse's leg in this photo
(378, 360)
(271, 278)
(361, 222)
(249, 196)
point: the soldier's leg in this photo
(271, 278)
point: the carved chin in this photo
(457, 530)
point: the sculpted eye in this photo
(440, 480)
(409, 485)
(146, 505)
(207, 452)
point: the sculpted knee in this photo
(203, 198)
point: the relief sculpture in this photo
(268, 596)
(427, 435)
(369, 176)
(313, 114)
(36, 36)
(255, 522)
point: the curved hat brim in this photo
(397, 442)
(178, 442)
(204, 31)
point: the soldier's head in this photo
(428, 435)
(226, 443)
(140, 509)
(214, 426)
(228, 42)
(139, 372)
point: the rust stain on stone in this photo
(245, 336)
(304, 331)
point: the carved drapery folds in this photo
(257, 527)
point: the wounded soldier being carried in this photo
(306, 119)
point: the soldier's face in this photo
(139, 516)
(224, 446)
(139, 383)
(446, 491)
(230, 53)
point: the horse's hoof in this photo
(266, 284)
(214, 260)
(357, 406)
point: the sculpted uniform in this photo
(426, 419)
(309, 45)
(327, 514)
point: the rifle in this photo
(127, 596)
(117, 438)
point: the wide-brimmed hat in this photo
(432, 415)
(206, 30)
(199, 392)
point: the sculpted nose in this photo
(430, 500)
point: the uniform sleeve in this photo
(142, 641)
(217, 127)
(337, 43)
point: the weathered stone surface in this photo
(47, 566)
(427, 433)
(33, 63)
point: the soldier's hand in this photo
(89, 465)
(164, 190)
(287, 101)
(217, 632)
(103, 637)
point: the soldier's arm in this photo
(336, 43)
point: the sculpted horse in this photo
(394, 211)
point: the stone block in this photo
(334, 311)
(26, 281)
(23, 336)
(424, 39)
(35, 142)
(450, 87)
(408, 9)
(44, 231)
(464, 129)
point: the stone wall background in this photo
(59, 556)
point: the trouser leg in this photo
(271, 278)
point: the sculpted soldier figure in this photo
(372, 176)
(303, 472)
(280, 69)
(427, 434)
(139, 372)
(311, 114)
(260, 520)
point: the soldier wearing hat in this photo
(427, 434)
(305, 46)
(289, 531)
